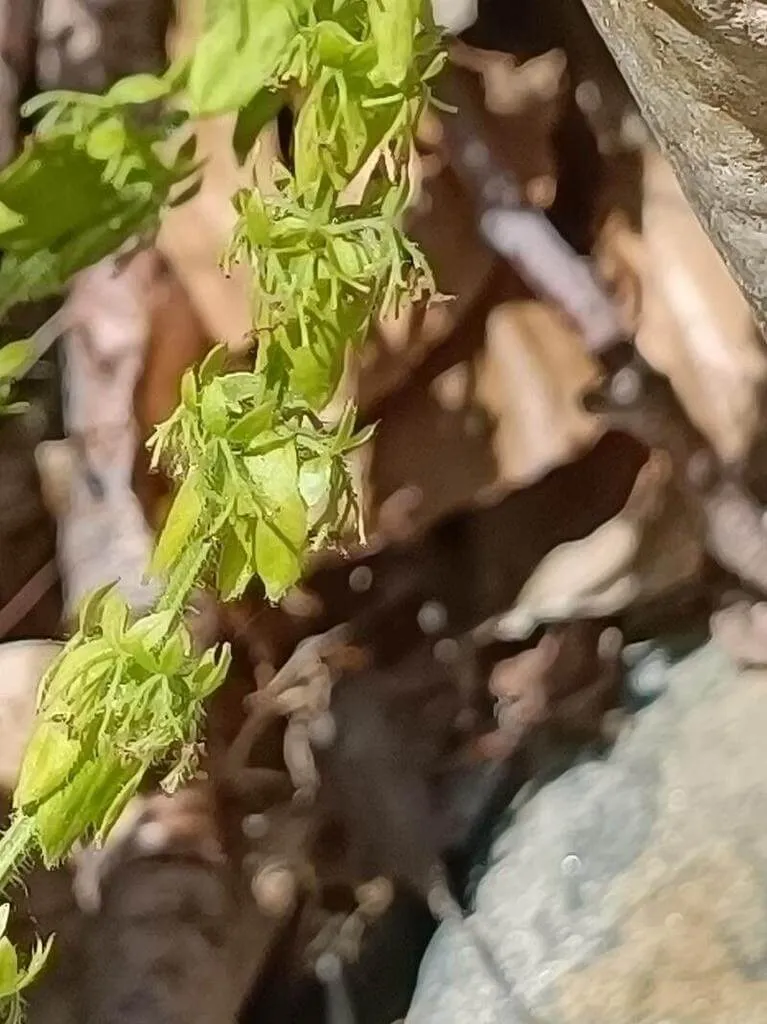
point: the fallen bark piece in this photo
(698, 69)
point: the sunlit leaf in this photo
(235, 565)
(213, 408)
(14, 358)
(361, 438)
(114, 617)
(189, 391)
(213, 363)
(9, 219)
(252, 424)
(106, 139)
(48, 761)
(391, 23)
(314, 480)
(37, 962)
(238, 53)
(120, 799)
(278, 563)
(263, 481)
(73, 810)
(9, 968)
(211, 671)
(182, 522)
(141, 88)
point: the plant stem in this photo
(183, 578)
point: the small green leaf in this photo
(9, 969)
(257, 222)
(275, 474)
(14, 358)
(314, 379)
(235, 561)
(252, 424)
(314, 480)
(62, 97)
(114, 617)
(345, 426)
(13, 408)
(189, 392)
(310, 135)
(211, 671)
(393, 26)
(213, 363)
(238, 387)
(123, 794)
(37, 961)
(49, 759)
(172, 657)
(77, 661)
(183, 521)
(213, 408)
(107, 139)
(281, 535)
(73, 811)
(252, 120)
(91, 607)
(354, 135)
(151, 630)
(9, 219)
(278, 564)
(360, 438)
(230, 65)
(335, 47)
(350, 256)
(141, 88)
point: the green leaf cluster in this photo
(13, 978)
(320, 275)
(92, 175)
(323, 266)
(14, 360)
(121, 696)
(261, 484)
(263, 477)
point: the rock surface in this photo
(630, 890)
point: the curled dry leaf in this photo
(696, 326)
(618, 563)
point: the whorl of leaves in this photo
(264, 478)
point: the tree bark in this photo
(698, 70)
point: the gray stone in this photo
(630, 890)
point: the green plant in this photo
(14, 359)
(14, 979)
(263, 478)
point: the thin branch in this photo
(26, 599)
(519, 233)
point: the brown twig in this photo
(30, 595)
